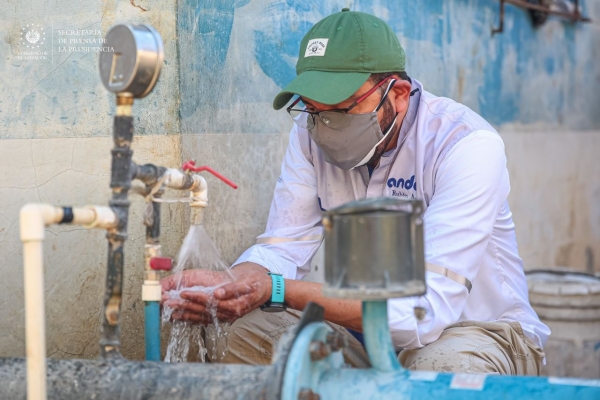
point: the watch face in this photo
(273, 307)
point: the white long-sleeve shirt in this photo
(454, 161)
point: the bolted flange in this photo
(336, 341)
(318, 350)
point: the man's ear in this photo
(400, 95)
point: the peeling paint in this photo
(239, 53)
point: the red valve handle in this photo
(161, 263)
(191, 166)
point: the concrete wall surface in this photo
(55, 126)
(224, 62)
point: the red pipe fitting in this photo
(161, 263)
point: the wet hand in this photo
(184, 309)
(232, 300)
(236, 299)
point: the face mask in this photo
(354, 145)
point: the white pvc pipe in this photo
(199, 192)
(33, 220)
(35, 321)
(175, 179)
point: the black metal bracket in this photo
(539, 13)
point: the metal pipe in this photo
(378, 341)
(501, 25)
(532, 6)
(120, 184)
(147, 173)
(574, 17)
(176, 179)
(153, 226)
(134, 380)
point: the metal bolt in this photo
(336, 341)
(308, 394)
(318, 350)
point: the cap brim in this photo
(322, 86)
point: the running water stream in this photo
(197, 251)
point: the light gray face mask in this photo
(354, 145)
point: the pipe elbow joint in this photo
(199, 192)
(33, 219)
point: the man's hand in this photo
(250, 289)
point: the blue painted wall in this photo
(235, 54)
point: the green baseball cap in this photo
(338, 55)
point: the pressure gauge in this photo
(134, 60)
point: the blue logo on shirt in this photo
(402, 183)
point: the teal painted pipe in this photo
(387, 379)
(370, 384)
(152, 330)
(376, 333)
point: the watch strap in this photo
(278, 288)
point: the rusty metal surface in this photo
(120, 183)
(130, 380)
(575, 16)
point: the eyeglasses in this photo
(334, 119)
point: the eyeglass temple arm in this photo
(370, 92)
(294, 103)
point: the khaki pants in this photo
(469, 346)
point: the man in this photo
(363, 128)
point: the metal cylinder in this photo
(374, 249)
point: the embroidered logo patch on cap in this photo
(316, 47)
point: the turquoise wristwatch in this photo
(276, 304)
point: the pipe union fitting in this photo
(151, 291)
(104, 217)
